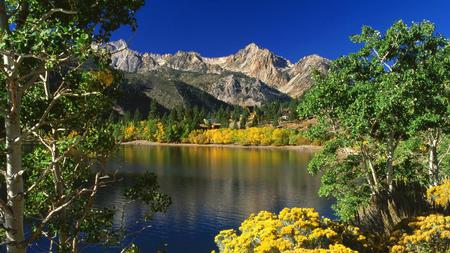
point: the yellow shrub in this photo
(292, 230)
(219, 136)
(301, 140)
(249, 136)
(426, 234)
(280, 137)
(440, 195)
(160, 132)
(129, 132)
(196, 137)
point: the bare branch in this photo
(61, 58)
(57, 10)
(383, 59)
(86, 94)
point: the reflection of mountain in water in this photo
(213, 188)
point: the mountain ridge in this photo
(263, 75)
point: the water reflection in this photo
(212, 188)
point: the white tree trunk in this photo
(433, 164)
(14, 179)
(371, 174)
(389, 165)
(13, 219)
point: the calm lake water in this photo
(212, 188)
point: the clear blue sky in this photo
(290, 28)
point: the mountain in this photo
(141, 88)
(251, 77)
(230, 87)
(300, 74)
(259, 63)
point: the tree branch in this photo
(56, 10)
(383, 59)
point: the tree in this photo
(137, 116)
(431, 118)
(55, 87)
(153, 112)
(373, 101)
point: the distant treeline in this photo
(228, 125)
(270, 113)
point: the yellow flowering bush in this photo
(292, 230)
(249, 136)
(219, 136)
(440, 195)
(424, 234)
(196, 137)
(160, 135)
(157, 131)
(130, 132)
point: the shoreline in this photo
(303, 148)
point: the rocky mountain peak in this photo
(192, 57)
(253, 61)
(117, 45)
(252, 47)
(313, 58)
(301, 74)
(191, 61)
(252, 50)
(308, 63)
(124, 58)
(259, 63)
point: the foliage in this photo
(161, 132)
(380, 110)
(292, 230)
(248, 136)
(56, 96)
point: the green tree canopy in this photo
(394, 89)
(57, 93)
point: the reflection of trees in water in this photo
(221, 185)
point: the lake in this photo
(212, 188)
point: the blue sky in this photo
(290, 28)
